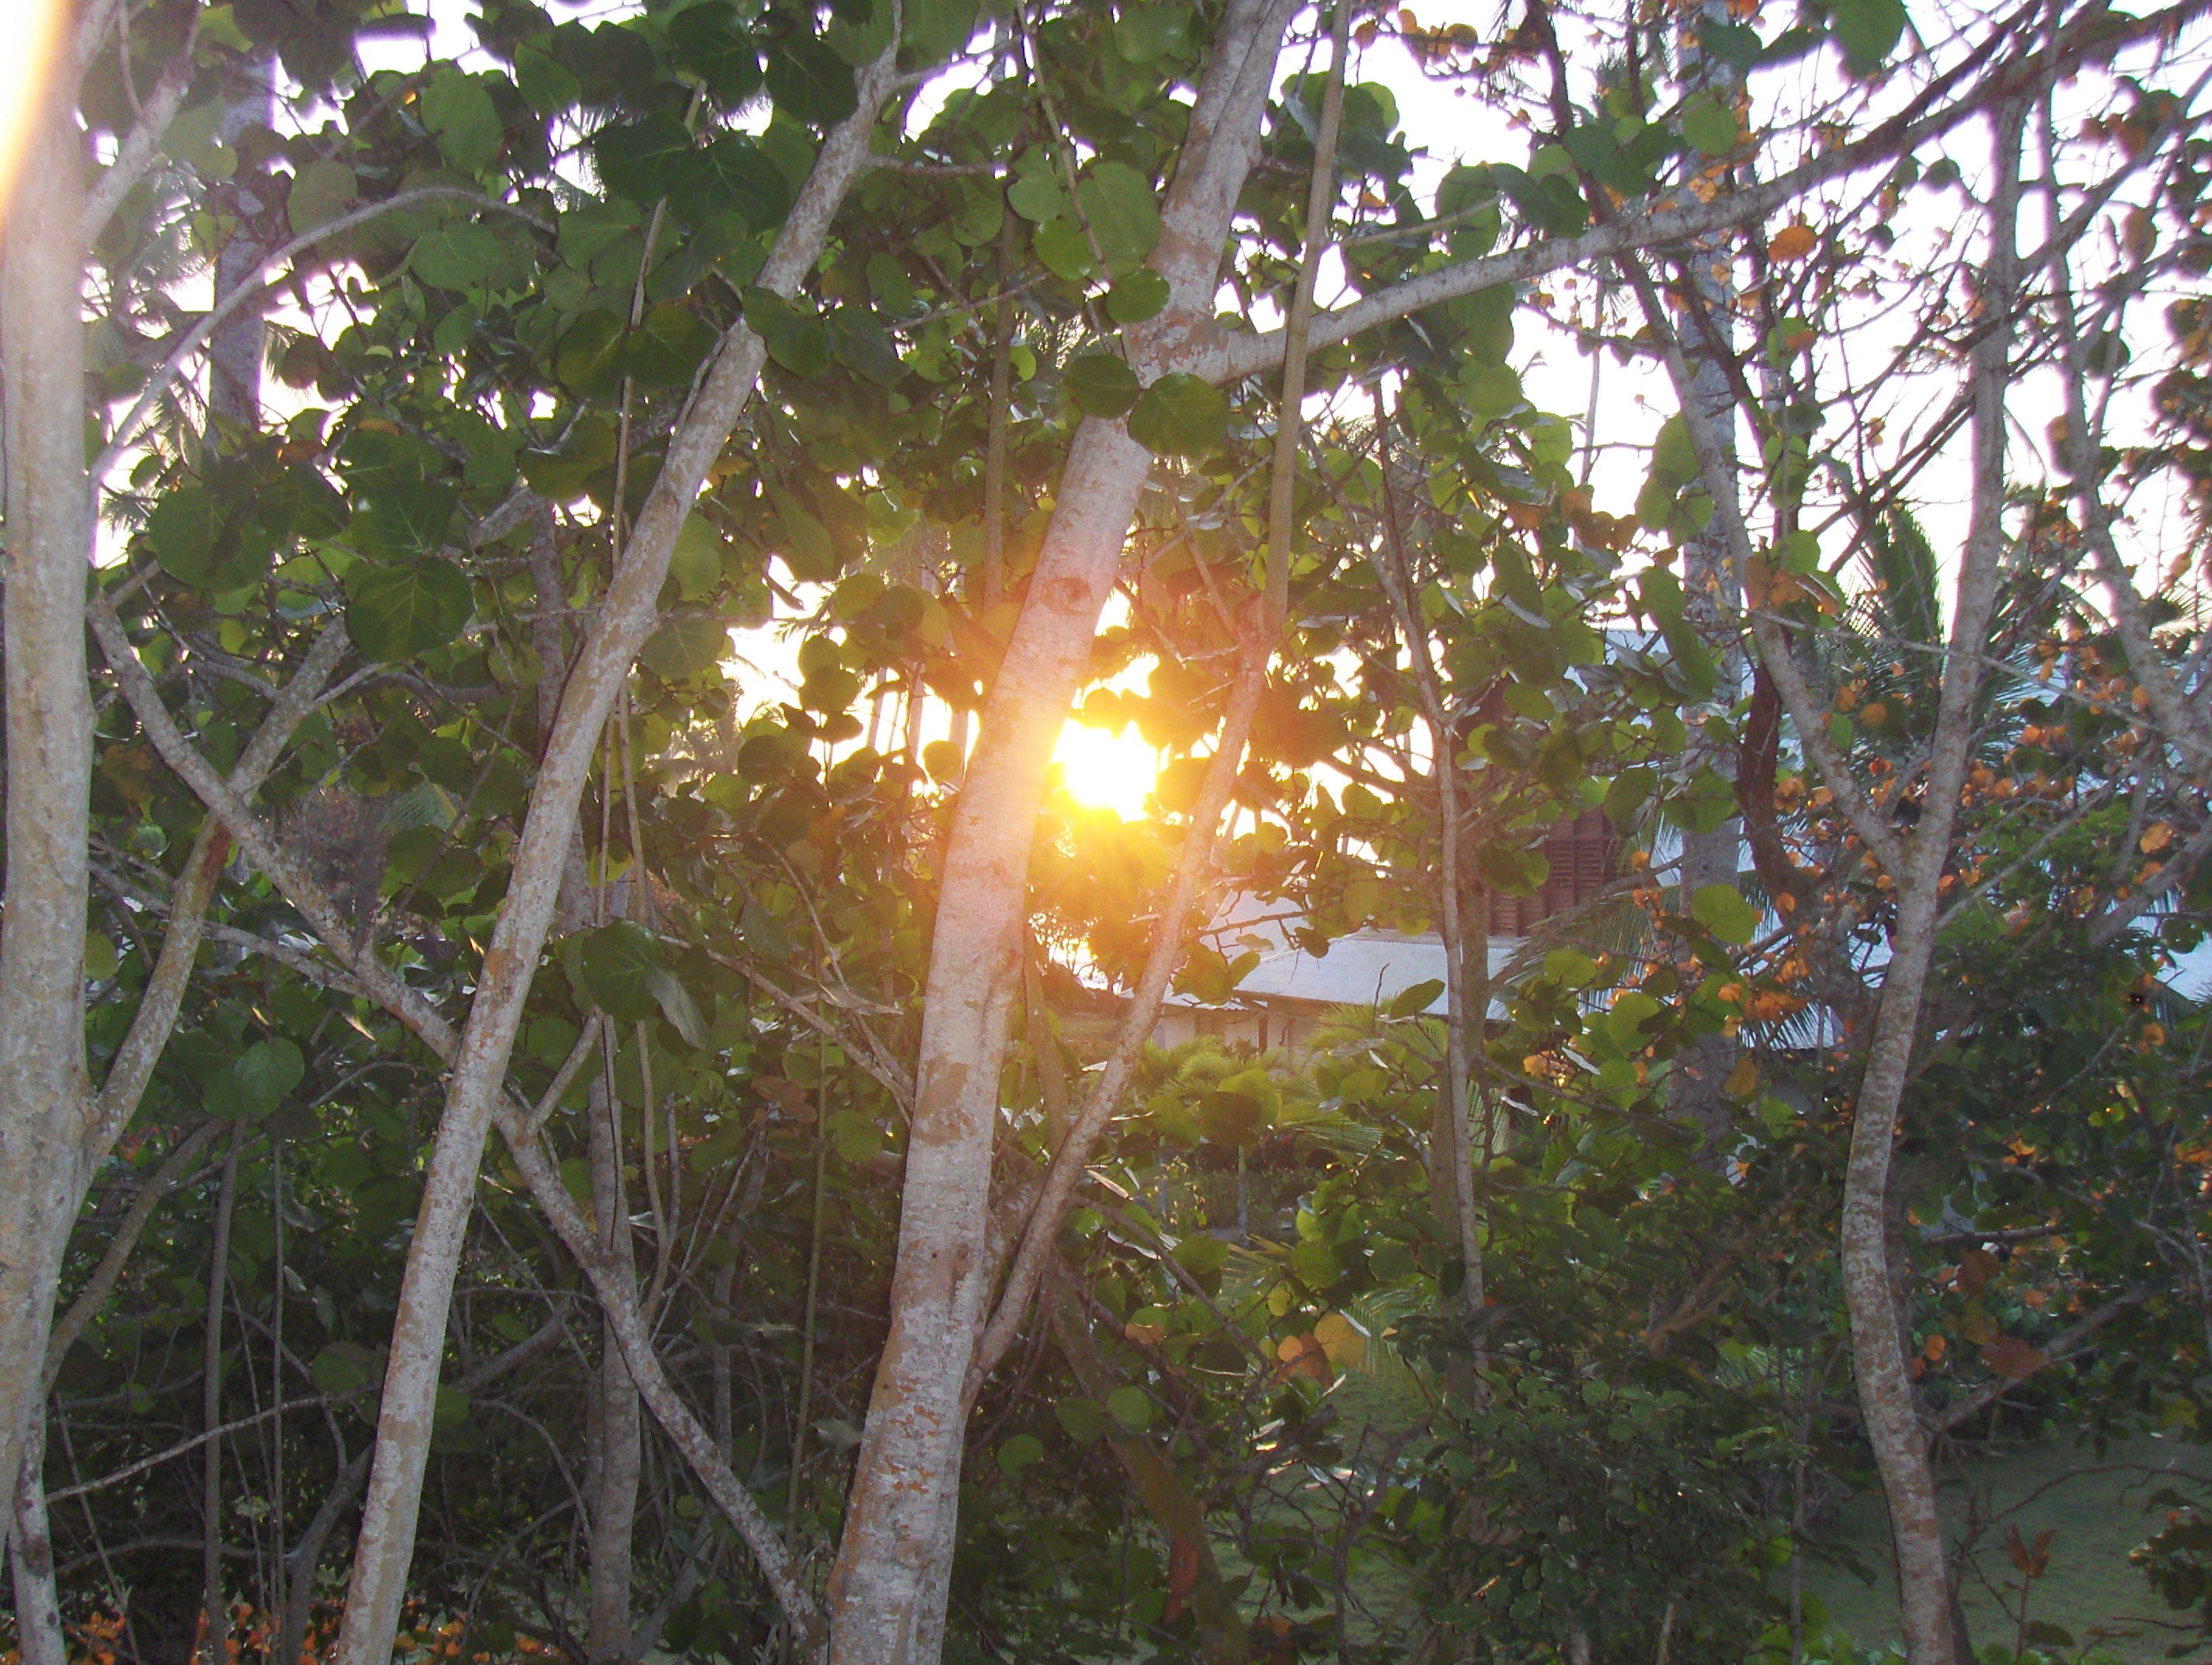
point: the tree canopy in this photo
(576, 1080)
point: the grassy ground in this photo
(2095, 1508)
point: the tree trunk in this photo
(888, 1588)
(235, 349)
(616, 1426)
(1713, 600)
(215, 1611)
(39, 1635)
(601, 668)
(44, 1086)
(1878, 1353)
(1915, 861)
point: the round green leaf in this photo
(320, 192)
(710, 42)
(198, 543)
(1102, 385)
(695, 563)
(1490, 390)
(1035, 193)
(1153, 31)
(591, 356)
(617, 962)
(796, 340)
(1179, 415)
(459, 113)
(1722, 909)
(344, 1367)
(668, 346)
(101, 958)
(858, 341)
(638, 159)
(1710, 126)
(256, 1079)
(408, 517)
(1130, 1406)
(1137, 297)
(465, 256)
(1867, 30)
(1082, 1419)
(1064, 250)
(1018, 1453)
(1674, 455)
(1124, 216)
(396, 612)
(732, 175)
(810, 82)
(684, 647)
(935, 29)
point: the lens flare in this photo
(35, 27)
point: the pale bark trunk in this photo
(1713, 600)
(44, 1086)
(887, 1591)
(1878, 1354)
(615, 1429)
(1915, 863)
(215, 1612)
(1452, 1198)
(602, 667)
(234, 350)
(39, 1637)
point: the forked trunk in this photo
(888, 1591)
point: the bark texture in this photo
(44, 1090)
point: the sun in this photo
(1106, 770)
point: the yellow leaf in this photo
(1343, 1341)
(1743, 1079)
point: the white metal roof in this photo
(1366, 967)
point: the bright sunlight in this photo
(1106, 770)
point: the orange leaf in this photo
(2011, 1358)
(1976, 1268)
(1792, 242)
(1183, 1577)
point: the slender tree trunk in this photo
(1915, 861)
(39, 1635)
(1451, 1140)
(887, 1591)
(1713, 598)
(235, 349)
(601, 666)
(616, 1426)
(1878, 1353)
(215, 1611)
(44, 1086)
